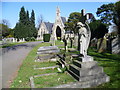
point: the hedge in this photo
(46, 37)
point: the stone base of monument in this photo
(85, 70)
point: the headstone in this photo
(13, 39)
(65, 40)
(115, 46)
(93, 42)
(102, 45)
(23, 40)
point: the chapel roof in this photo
(63, 19)
(49, 26)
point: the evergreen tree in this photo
(22, 16)
(28, 24)
(21, 26)
(32, 21)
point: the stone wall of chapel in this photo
(41, 31)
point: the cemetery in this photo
(77, 52)
(55, 66)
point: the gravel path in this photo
(12, 58)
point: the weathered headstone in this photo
(76, 40)
(65, 40)
(115, 46)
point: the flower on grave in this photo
(12, 86)
(58, 79)
(59, 69)
(20, 81)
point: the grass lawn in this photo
(27, 69)
(109, 62)
(16, 43)
(111, 66)
(44, 64)
(11, 44)
(52, 80)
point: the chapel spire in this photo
(58, 11)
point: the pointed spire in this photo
(58, 11)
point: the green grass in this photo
(11, 44)
(59, 43)
(45, 64)
(52, 80)
(111, 66)
(16, 43)
(27, 70)
(109, 62)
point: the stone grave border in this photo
(51, 67)
(75, 84)
(32, 84)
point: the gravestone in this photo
(115, 46)
(84, 68)
(65, 40)
(76, 40)
(102, 45)
(47, 53)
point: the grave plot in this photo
(48, 73)
(51, 80)
(47, 53)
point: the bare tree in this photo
(5, 22)
(39, 21)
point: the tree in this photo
(32, 20)
(73, 19)
(98, 29)
(39, 21)
(26, 24)
(5, 22)
(117, 9)
(21, 26)
(106, 13)
(22, 16)
(4, 29)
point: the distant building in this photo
(45, 28)
(55, 29)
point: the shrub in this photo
(27, 39)
(32, 39)
(46, 37)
